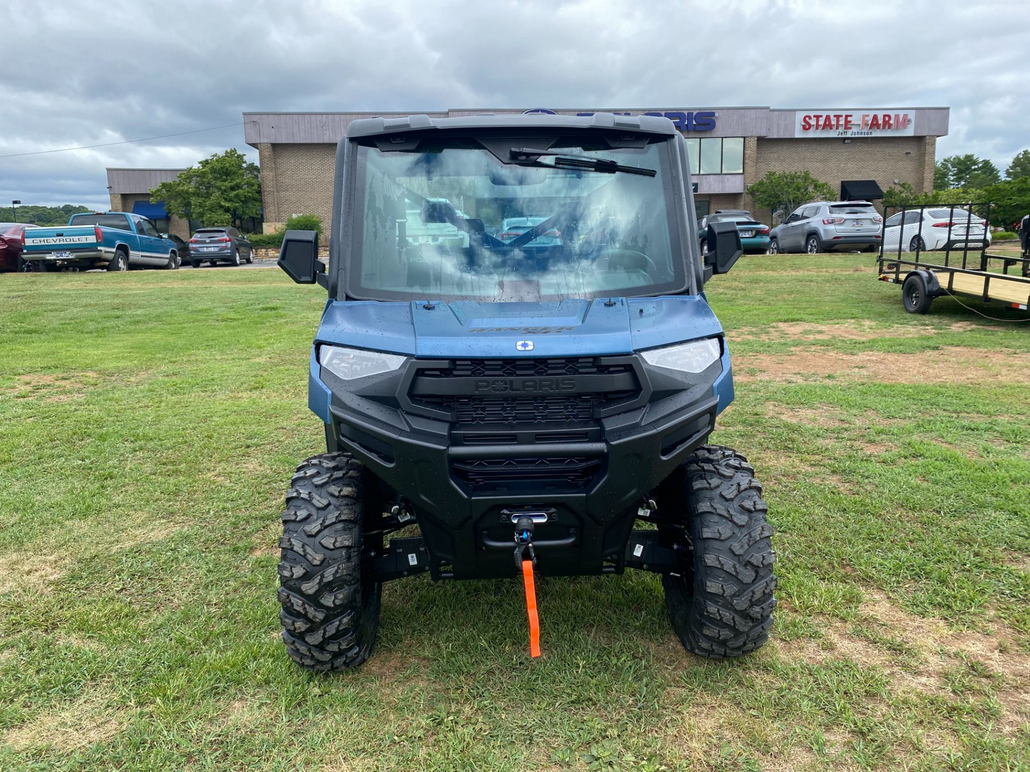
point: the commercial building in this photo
(130, 191)
(731, 148)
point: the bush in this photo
(305, 222)
(266, 239)
(1004, 236)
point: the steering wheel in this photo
(628, 257)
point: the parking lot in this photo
(151, 421)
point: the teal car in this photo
(754, 236)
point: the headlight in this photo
(693, 357)
(351, 363)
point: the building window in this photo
(715, 155)
(733, 155)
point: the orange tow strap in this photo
(534, 621)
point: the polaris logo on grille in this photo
(525, 385)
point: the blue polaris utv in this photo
(516, 363)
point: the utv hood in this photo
(468, 329)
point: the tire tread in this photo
(328, 623)
(725, 609)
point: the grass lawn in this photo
(149, 424)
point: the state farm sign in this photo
(854, 124)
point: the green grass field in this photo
(149, 424)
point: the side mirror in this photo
(163, 235)
(298, 256)
(723, 248)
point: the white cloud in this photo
(88, 72)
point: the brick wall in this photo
(721, 201)
(297, 179)
(884, 159)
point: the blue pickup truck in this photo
(115, 240)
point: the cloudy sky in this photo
(81, 72)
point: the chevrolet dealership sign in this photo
(856, 123)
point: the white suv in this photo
(823, 226)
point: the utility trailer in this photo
(945, 249)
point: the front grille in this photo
(516, 410)
(543, 474)
(525, 368)
(520, 403)
(508, 409)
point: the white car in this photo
(935, 228)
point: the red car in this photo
(10, 245)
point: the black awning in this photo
(859, 190)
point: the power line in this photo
(123, 142)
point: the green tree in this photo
(220, 190)
(966, 171)
(941, 177)
(1010, 201)
(904, 194)
(1020, 166)
(786, 191)
(41, 215)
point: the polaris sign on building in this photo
(730, 148)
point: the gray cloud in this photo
(89, 72)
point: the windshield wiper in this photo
(528, 156)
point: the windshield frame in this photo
(349, 206)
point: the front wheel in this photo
(250, 256)
(330, 608)
(721, 603)
(704, 246)
(774, 247)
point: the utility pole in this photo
(14, 208)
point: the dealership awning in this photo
(859, 190)
(153, 211)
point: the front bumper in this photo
(589, 475)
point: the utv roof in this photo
(645, 124)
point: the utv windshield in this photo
(460, 221)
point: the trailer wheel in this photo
(915, 295)
(721, 603)
(330, 610)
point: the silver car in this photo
(823, 226)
